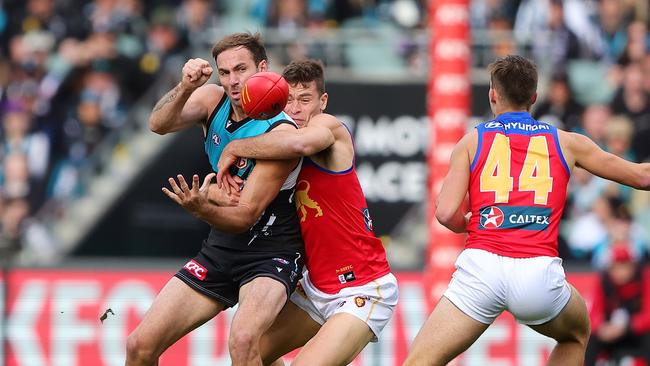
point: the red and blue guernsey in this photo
(340, 246)
(517, 188)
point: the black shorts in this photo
(219, 272)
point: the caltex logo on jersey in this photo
(491, 217)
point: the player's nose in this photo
(292, 107)
(233, 79)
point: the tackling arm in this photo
(454, 189)
(591, 157)
(286, 142)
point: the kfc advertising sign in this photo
(52, 318)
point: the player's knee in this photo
(139, 350)
(584, 332)
(579, 331)
(583, 329)
(242, 341)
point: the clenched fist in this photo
(196, 72)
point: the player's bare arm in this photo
(454, 188)
(284, 142)
(261, 188)
(189, 102)
(588, 155)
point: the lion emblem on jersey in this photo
(303, 201)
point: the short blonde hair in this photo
(619, 127)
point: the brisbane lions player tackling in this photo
(347, 294)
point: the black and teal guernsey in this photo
(278, 227)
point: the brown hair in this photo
(514, 78)
(304, 72)
(251, 42)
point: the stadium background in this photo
(85, 228)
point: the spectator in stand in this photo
(163, 40)
(17, 137)
(13, 215)
(194, 17)
(620, 228)
(560, 108)
(289, 17)
(594, 122)
(612, 23)
(618, 137)
(590, 214)
(502, 42)
(620, 311)
(33, 146)
(637, 44)
(633, 101)
(556, 44)
(15, 176)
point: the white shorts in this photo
(485, 284)
(373, 302)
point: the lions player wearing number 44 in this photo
(516, 170)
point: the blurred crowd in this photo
(70, 70)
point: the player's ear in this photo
(492, 94)
(533, 99)
(263, 66)
(323, 101)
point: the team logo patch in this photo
(347, 277)
(241, 163)
(515, 217)
(491, 217)
(304, 202)
(216, 139)
(367, 219)
(196, 269)
(359, 301)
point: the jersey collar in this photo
(513, 116)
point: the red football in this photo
(264, 95)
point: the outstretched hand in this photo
(191, 199)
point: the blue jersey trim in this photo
(559, 151)
(325, 170)
(478, 147)
(354, 148)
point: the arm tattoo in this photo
(167, 98)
